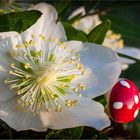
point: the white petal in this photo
(80, 10)
(104, 67)
(85, 113)
(45, 25)
(8, 41)
(11, 39)
(19, 120)
(5, 92)
(129, 51)
(87, 23)
(124, 66)
(124, 60)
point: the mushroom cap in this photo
(124, 102)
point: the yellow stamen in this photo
(63, 84)
(83, 72)
(59, 43)
(12, 53)
(79, 66)
(32, 36)
(71, 62)
(52, 57)
(26, 65)
(18, 46)
(75, 89)
(48, 109)
(81, 86)
(73, 51)
(79, 95)
(31, 42)
(79, 59)
(42, 37)
(26, 44)
(55, 39)
(77, 55)
(12, 65)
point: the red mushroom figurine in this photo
(124, 102)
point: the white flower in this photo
(112, 40)
(87, 23)
(49, 82)
(115, 42)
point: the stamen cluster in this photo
(45, 77)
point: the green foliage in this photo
(76, 133)
(133, 73)
(98, 34)
(127, 29)
(61, 5)
(74, 34)
(101, 99)
(77, 17)
(99, 135)
(73, 133)
(136, 130)
(18, 21)
(91, 133)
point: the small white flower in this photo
(112, 40)
(115, 42)
(87, 23)
(49, 82)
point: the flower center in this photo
(113, 41)
(46, 77)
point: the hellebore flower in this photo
(112, 40)
(49, 82)
(87, 23)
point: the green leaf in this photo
(73, 34)
(127, 29)
(76, 133)
(102, 100)
(98, 34)
(53, 134)
(72, 133)
(18, 21)
(136, 130)
(77, 17)
(61, 5)
(91, 133)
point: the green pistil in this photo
(67, 79)
(61, 90)
(52, 57)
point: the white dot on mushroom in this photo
(136, 113)
(124, 83)
(136, 99)
(117, 105)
